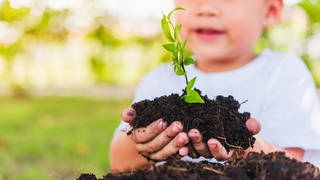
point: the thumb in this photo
(253, 126)
(128, 115)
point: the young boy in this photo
(280, 91)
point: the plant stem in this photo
(182, 62)
(185, 73)
(182, 50)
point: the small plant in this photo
(181, 56)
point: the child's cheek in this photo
(184, 33)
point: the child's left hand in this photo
(214, 148)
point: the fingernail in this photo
(183, 152)
(162, 124)
(175, 129)
(213, 145)
(194, 131)
(131, 112)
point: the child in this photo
(280, 91)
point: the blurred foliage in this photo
(105, 36)
(29, 28)
(117, 54)
(312, 8)
(10, 14)
(98, 67)
(10, 51)
(104, 63)
(98, 62)
(49, 28)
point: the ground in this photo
(56, 137)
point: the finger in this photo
(217, 150)
(198, 144)
(162, 139)
(173, 147)
(183, 151)
(128, 115)
(143, 135)
(253, 126)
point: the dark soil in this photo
(217, 118)
(257, 166)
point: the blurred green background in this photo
(68, 68)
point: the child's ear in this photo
(273, 12)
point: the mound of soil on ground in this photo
(217, 118)
(257, 166)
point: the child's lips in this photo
(208, 34)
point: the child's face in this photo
(225, 29)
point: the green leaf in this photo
(187, 53)
(177, 30)
(175, 9)
(166, 29)
(178, 53)
(175, 61)
(193, 97)
(176, 46)
(178, 70)
(191, 83)
(179, 57)
(169, 47)
(185, 43)
(188, 61)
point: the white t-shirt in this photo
(279, 88)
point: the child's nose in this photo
(207, 8)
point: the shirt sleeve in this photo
(291, 114)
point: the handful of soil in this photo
(217, 118)
(257, 166)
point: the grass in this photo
(55, 137)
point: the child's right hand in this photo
(157, 141)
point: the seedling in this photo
(218, 118)
(181, 56)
